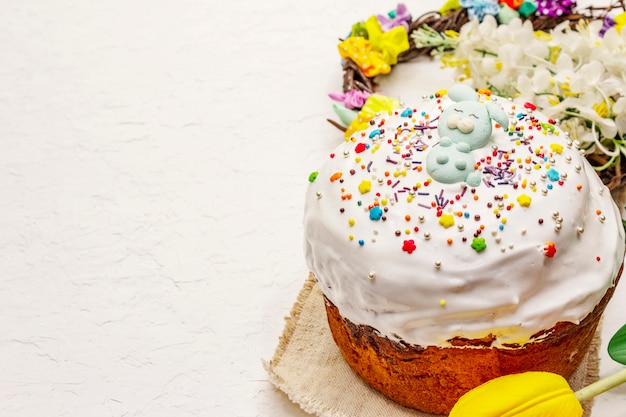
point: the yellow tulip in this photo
(538, 394)
(529, 394)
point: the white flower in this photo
(607, 126)
(577, 130)
(612, 52)
(591, 79)
(531, 83)
(619, 109)
(575, 76)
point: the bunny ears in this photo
(462, 92)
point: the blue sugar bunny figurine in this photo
(463, 127)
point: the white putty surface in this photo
(153, 166)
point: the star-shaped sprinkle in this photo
(446, 220)
(478, 244)
(376, 213)
(524, 200)
(365, 186)
(409, 246)
(549, 250)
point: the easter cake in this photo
(459, 240)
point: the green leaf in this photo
(617, 346)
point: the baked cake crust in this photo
(433, 378)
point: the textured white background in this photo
(152, 170)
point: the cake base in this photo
(432, 378)
(307, 366)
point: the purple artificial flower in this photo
(480, 8)
(398, 17)
(353, 99)
(555, 8)
(607, 23)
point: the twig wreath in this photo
(571, 64)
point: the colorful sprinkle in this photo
(556, 148)
(365, 186)
(524, 200)
(409, 246)
(407, 113)
(549, 250)
(372, 135)
(478, 244)
(335, 176)
(376, 213)
(553, 174)
(446, 220)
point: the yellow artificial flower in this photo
(360, 51)
(449, 6)
(452, 34)
(376, 103)
(391, 43)
(361, 122)
(620, 21)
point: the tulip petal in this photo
(529, 394)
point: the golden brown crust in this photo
(432, 379)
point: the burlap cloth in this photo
(309, 368)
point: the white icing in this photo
(440, 291)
